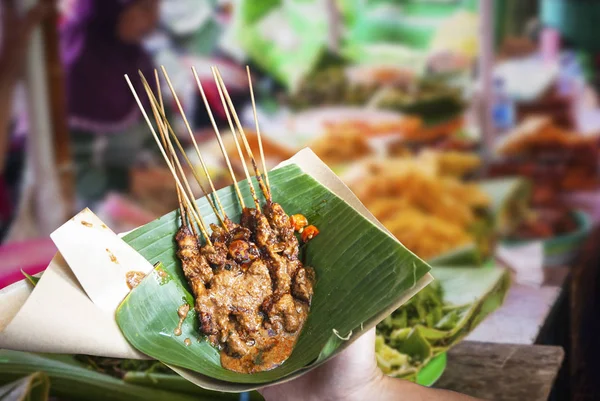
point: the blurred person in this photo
(101, 40)
(14, 39)
(354, 375)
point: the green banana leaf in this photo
(173, 382)
(469, 296)
(35, 387)
(510, 197)
(362, 274)
(69, 380)
(33, 280)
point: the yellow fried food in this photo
(470, 194)
(338, 146)
(452, 163)
(538, 134)
(429, 212)
(425, 235)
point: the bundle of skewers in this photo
(252, 293)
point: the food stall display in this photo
(422, 200)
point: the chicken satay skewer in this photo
(219, 139)
(243, 136)
(197, 218)
(191, 134)
(186, 240)
(260, 144)
(235, 140)
(180, 147)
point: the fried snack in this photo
(273, 152)
(453, 163)
(406, 127)
(428, 212)
(540, 135)
(336, 147)
(425, 235)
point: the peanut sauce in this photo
(271, 353)
(134, 278)
(182, 311)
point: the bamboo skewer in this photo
(243, 136)
(260, 145)
(191, 133)
(237, 145)
(182, 211)
(173, 157)
(219, 139)
(197, 217)
(171, 150)
(174, 136)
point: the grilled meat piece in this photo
(302, 286)
(252, 293)
(195, 267)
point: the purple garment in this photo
(95, 59)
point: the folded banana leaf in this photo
(71, 381)
(438, 317)
(363, 274)
(35, 387)
(509, 200)
(173, 382)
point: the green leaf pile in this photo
(438, 317)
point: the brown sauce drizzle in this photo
(134, 278)
(85, 223)
(182, 311)
(187, 342)
(113, 258)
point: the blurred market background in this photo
(469, 128)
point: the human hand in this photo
(15, 33)
(352, 375)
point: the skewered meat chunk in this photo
(302, 287)
(195, 267)
(252, 292)
(287, 313)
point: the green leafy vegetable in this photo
(438, 317)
